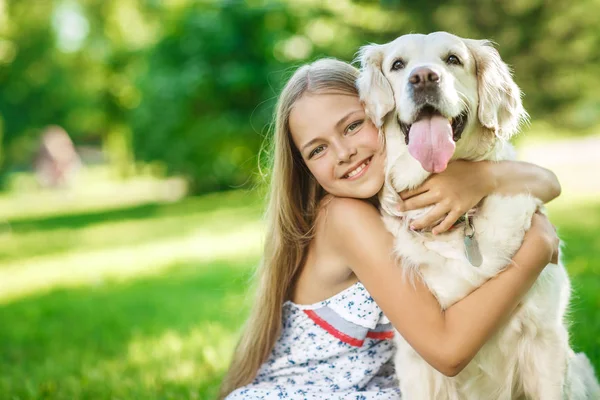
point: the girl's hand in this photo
(453, 192)
(543, 239)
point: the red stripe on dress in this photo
(380, 335)
(331, 330)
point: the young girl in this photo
(328, 282)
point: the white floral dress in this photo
(339, 348)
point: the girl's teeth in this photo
(357, 170)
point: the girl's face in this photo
(340, 146)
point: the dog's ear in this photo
(500, 107)
(374, 88)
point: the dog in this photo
(438, 98)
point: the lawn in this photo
(143, 300)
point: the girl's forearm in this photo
(472, 321)
(516, 177)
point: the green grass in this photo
(143, 301)
(153, 338)
(132, 302)
(579, 228)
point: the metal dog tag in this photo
(471, 246)
(472, 250)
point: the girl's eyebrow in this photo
(310, 143)
(346, 117)
(337, 126)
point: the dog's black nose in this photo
(423, 77)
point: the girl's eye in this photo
(354, 126)
(316, 151)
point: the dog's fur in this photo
(530, 357)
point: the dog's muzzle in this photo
(425, 90)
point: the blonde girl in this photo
(330, 296)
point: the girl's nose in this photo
(345, 153)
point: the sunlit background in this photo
(130, 211)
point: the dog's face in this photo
(439, 88)
(435, 72)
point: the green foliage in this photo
(206, 79)
(191, 84)
(45, 80)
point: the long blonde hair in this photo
(293, 199)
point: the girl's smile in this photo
(358, 171)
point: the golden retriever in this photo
(437, 98)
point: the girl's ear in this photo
(500, 107)
(374, 89)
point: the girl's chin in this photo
(366, 191)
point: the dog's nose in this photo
(423, 77)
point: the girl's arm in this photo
(516, 177)
(448, 339)
(464, 184)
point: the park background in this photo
(129, 278)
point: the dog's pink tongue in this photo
(430, 142)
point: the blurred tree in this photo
(203, 90)
(62, 62)
(191, 84)
(36, 89)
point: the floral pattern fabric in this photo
(339, 348)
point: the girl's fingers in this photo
(419, 201)
(447, 223)
(543, 222)
(407, 194)
(430, 218)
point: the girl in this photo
(317, 329)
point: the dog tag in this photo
(472, 250)
(471, 245)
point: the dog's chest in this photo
(500, 224)
(440, 262)
(453, 283)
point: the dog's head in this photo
(440, 88)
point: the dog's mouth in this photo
(457, 123)
(432, 137)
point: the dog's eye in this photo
(397, 65)
(453, 60)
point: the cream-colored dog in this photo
(438, 98)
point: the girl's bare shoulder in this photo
(339, 217)
(342, 221)
(341, 212)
